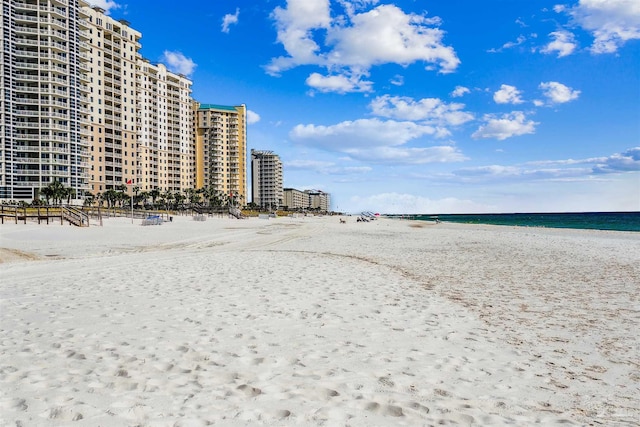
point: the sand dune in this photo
(312, 322)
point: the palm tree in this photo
(136, 189)
(200, 193)
(209, 195)
(68, 192)
(56, 191)
(89, 198)
(111, 196)
(196, 197)
(168, 196)
(179, 198)
(142, 197)
(47, 192)
(155, 194)
(120, 198)
(190, 194)
(225, 199)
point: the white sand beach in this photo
(307, 321)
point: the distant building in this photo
(309, 199)
(266, 179)
(318, 200)
(221, 149)
(293, 199)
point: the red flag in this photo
(129, 181)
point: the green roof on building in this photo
(217, 107)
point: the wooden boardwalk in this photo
(70, 214)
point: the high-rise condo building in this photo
(266, 179)
(141, 116)
(221, 149)
(43, 97)
(113, 60)
(166, 150)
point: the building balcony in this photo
(27, 101)
(27, 160)
(23, 77)
(28, 65)
(23, 41)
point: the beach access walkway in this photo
(62, 213)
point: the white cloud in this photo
(521, 39)
(387, 35)
(627, 161)
(338, 83)
(295, 26)
(107, 5)
(408, 155)
(397, 80)
(569, 170)
(376, 141)
(363, 133)
(428, 110)
(252, 117)
(611, 22)
(557, 93)
(308, 164)
(507, 95)
(327, 168)
(564, 44)
(508, 45)
(350, 45)
(494, 171)
(506, 126)
(229, 19)
(460, 91)
(349, 170)
(178, 63)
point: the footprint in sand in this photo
(418, 407)
(14, 403)
(283, 413)
(62, 414)
(249, 391)
(389, 410)
(385, 381)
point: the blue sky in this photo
(422, 106)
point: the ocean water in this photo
(619, 221)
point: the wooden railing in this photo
(74, 216)
(71, 214)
